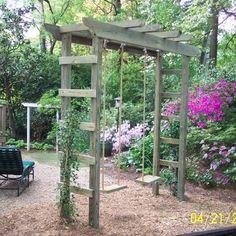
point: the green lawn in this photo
(43, 157)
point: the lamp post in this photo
(117, 106)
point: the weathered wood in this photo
(73, 28)
(90, 93)
(183, 127)
(174, 164)
(65, 107)
(177, 72)
(148, 179)
(89, 126)
(133, 38)
(170, 95)
(65, 74)
(166, 34)
(157, 121)
(182, 37)
(73, 60)
(86, 158)
(82, 191)
(112, 188)
(174, 141)
(170, 118)
(128, 23)
(95, 149)
(54, 30)
(147, 28)
(84, 37)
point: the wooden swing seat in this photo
(148, 179)
(112, 188)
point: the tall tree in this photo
(12, 25)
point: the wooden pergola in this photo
(136, 36)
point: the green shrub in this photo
(16, 143)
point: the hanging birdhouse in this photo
(117, 102)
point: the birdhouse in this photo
(117, 102)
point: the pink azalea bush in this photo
(206, 104)
(220, 161)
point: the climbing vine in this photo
(68, 131)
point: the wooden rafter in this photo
(148, 28)
(129, 24)
(134, 35)
(182, 37)
(133, 38)
(166, 34)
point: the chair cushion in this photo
(28, 164)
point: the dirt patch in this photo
(132, 211)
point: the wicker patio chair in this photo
(14, 172)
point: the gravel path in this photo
(132, 211)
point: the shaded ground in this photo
(132, 211)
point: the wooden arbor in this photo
(136, 36)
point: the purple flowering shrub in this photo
(126, 136)
(206, 104)
(220, 161)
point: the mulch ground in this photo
(131, 211)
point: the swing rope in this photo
(104, 116)
(144, 109)
(120, 108)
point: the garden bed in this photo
(132, 211)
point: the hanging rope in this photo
(144, 109)
(104, 115)
(120, 107)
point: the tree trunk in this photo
(117, 6)
(214, 34)
(202, 58)
(11, 117)
(42, 36)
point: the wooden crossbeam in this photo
(182, 37)
(133, 38)
(72, 60)
(86, 158)
(129, 24)
(89, 126)
(82, 191)
(73, 28)
(90, 93)
(170, 95)
(171, 71)
(174, 164)
(166, 34)
(117, 35)
(174, 141)
(147, 28)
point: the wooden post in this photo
(28, 129)
(157, 122)
(65, 73)
(183, 127)
(65, 107)
(94, 180)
